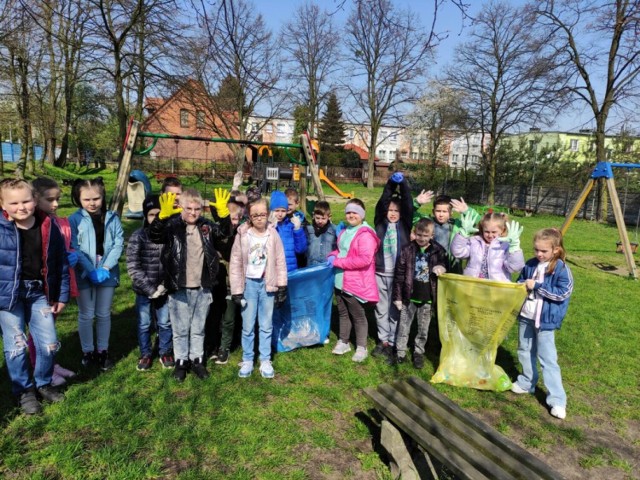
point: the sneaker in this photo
(87, 359)
(50, 394)
(223, 357)
(180, 370)
(214, 354)
(360, 355)
(246, 368)
(104, 361)
(559, 412)
(379, 351)
(266, 369)
(57, 380)
(29, 403)
(396, 359)
(418, 361)
(167, 361)
(199, 369)
(326, 341)
(515, 388)
(63, 372)
(341, 348)
(144, 363)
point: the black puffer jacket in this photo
(406, 264)
(143, 262)
(172, 233)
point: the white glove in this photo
(297, 223)
(398, 305)
(439, 270)
(468, 222)
(514, 230)
(161, 290)
(237, 180)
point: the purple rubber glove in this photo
(72, 258)
(330, 260)
(397, 177)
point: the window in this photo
(200, 120)
(268, 128)
(454, 159)
(184, 118)
(465, 158)
(350, 133)
(474, 159)
(574, 145)
(393, 138)
(281, 129)
(254, 128)
(414, 155)
(382, 153)
(404, 154)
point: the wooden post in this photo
(313, 168)
(117, 200)
(581, 199)
(622, 229)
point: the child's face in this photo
(491, 231)
(177, 191)
(91, 199)
(152, 214)
(393, 214)
(293, 205)
(321, 219)
(442, 213)
(353, 219)
(191, 211)
(18, 203)
(258, 215)
(49, 200)
(279, 214)
(544, 250)
(423, 237)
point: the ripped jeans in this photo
(30, 309)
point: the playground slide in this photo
(333, 186)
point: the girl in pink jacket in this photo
(494, 252)
(355, 278)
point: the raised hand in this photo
(221, 197)
(167, 209)
(459, 206)
(468, 223)
(514, 230)
(424, 197)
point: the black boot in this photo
(180, 371)
(198, 368)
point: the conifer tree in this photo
(332, 130)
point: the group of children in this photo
(178, 262)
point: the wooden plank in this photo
(524, 458)
(117, 200)
(311, 163)
(576, 208)
(622, 228)
(433, 443)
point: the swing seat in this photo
(634, 247)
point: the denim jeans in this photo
(188, 310)
(33, 309)
(95, 302)
(406, 319)
(145, 308)
(387, 315)
(259, 303)
(533, 344)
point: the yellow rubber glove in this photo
(222, 197)
(166, 205)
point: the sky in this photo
(450, 22)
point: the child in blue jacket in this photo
(550, 283)
(290, 230)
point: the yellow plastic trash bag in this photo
(474, 316)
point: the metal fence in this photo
(11, 151)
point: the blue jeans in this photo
(259, 303)
(188, 310)
(95, 302)
(533, 344)
(33, 309)
(145, 308)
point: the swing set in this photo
(605, 170)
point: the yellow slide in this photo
(333, 186)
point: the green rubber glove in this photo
(468, 222)
(167, 209)
(514, 230)
(222, 197)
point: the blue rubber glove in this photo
(339, 228)
(330, 260)
(397, 177)
(98, 275)
(72, 258)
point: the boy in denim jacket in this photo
(321, 235)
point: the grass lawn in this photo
(312, 421)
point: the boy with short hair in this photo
(414, 289)
(290, 230)
(321, 235)
(146, 273)
(293, 200)
(190, 259)
(34, 286)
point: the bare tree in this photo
(506, 76)
(598, 41)
(238, 70)
(312, 41)
(388, 52)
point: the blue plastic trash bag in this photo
(305, 318)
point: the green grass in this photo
(311, 420)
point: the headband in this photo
(354, 208)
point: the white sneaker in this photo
(266, 369)
(341, 348)
(515, 388)
(326, 341)
(559, 412)
(360, 355)
(246, 368)
(57, 380)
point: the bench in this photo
(467, 447)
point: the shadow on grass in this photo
(372, 419)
